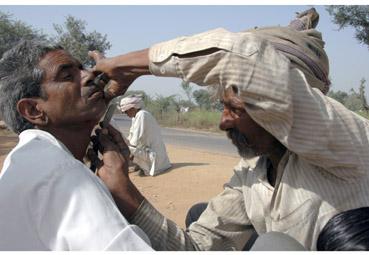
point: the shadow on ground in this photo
(175, 166)
(179, 165)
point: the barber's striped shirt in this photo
(324, 171)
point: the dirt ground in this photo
(195, 176)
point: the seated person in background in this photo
(347, 231)
(145, 140)
(49, 199)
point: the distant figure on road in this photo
(145, 140)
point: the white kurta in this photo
(51, 201)
(146, 144)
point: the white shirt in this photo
(51, 201)
(146, 144)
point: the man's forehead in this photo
(55, 58)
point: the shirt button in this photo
(162, 70)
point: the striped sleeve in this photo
(223, 225)
(277, 96)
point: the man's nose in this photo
(87, 78)
(226, 121)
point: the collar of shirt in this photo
(29, 134)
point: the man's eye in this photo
(67, 77)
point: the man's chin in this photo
(247, 154)
(240, 141)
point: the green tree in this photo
(72, 35)
(218, 106)
(362, 97)
(187, 88)
(202, 98)
(356, 16)
(353, 101)
(163, 104)
(339, 95)
(356, 101)
(12, 31)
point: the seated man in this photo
(49, 199)
(145, 141)
(313, 152)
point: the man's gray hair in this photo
(20, 77)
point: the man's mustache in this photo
(237, 137)
(241, 142)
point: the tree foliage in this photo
(187, 88)
(163, 104)
(356, 16)
(12, 31)
(72, 35)
(339, 95)
(202, 98)
(355, 101)
(206, 100)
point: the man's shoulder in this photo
(145, 115)
(39, 153)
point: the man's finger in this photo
(94, 159)
(106, 143)
(115, 134)
(115, 89)
(118, 139)
(95, 55)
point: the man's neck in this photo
(75, 139)
(274, 158)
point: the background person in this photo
(145, 140)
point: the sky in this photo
(130, 28)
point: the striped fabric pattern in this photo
(324, 171)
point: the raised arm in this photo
(277, 95)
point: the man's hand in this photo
(113, 169)
(122, 70)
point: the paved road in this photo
(193, 139)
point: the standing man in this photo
(49, 199)
(145, 141)
(313, 152)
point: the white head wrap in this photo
(303, 45)
(134, 101)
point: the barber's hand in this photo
(113, 169)
(122, 70)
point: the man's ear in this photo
(31, 110)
